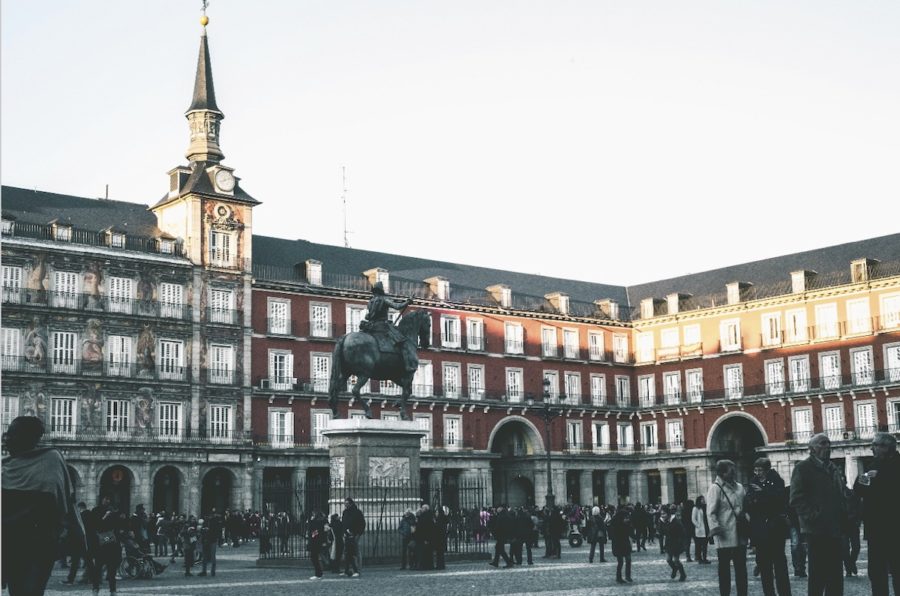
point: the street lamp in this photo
(547, 414)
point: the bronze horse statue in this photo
(357, 354)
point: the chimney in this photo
(736, 291)
(859, 269)
(675, 302)
(648, 307)
(560, 302)
(800, 280)
(502, 294)
(440, 287)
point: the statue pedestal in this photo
(367, 452)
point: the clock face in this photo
(224, 180)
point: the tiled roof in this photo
(204, 93)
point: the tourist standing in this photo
(701, 530)
(620, 531)
(596, 533)
(354, 524)
(766, 506)
(725, 500)
(317, 535)
(674, 533)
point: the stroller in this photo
(138, 563)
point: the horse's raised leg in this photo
(360, 383)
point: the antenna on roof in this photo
(106, 196)
(344, 201)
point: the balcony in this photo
(278, 326)
(150, 435)
(730, 346)
(323, 330)
(92, 238)
(475, 343)
(598, 354)
(91, 303)
(220, 376)
(78, 367)
(841, 434)
(514, 347)
(224, 316)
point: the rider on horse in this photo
(376, 323)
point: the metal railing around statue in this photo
(288, 507)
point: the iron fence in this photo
(288, 507)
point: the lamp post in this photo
(547, 414)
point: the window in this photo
(12, 284)
(279, 316)
(423, 422)
(598, 390)
(668, 338)
(858, 316)
(890, 311)
(319, 420)
(675, 435)
(65, 289)
(600, 437)
(866, 421)
(12, 348)
(573, 387)
(171, 360)
(570, 344)
(514, 338)
(774, 377)
(221, 364)
(170, 421)
(63, 346)
(647, 390)
(548, 342)
(796, 325)
(863, 373)
(645, 347)
(691, 335)
(453, 432)
(10, 410)
(355, 314)
(625, 436)
(281, 428)
(62, 417)
(120, 294)
(623, 390)
(596, 350)
(771, 329)
(118, 355)
(166, 247)
(7, 226)
(620, 348)
(476, 381)
(171, 299)
(802, 418)
(117, 414)
(734, 381)
(730, 335)
(452, 380)
(830, 370)
(475, 334)
(798, 367)
(694, 380)
(385, 415)
(672, 387)
(450, 332)
(553, 387)
(351, 381)
(314, 273)
(423, 380)
(892, 362)
(221, 306)
(574, 435)
(220, 423)
(281, 370)
(320, 371)
(648, 436)
(319, 320)
(221, 252)
(826, 321)
(833, 421)
(893, 409)
(117, 240)
(514, 391)
(389, 388)
(62, 233)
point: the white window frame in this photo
(171, 300)
(452, 380)
(281, 428)
(827, 326)
(10, 410)
(574, 435)
(694, 389)
(620, 347)
(281, 359)
(647, 390)
(356, 313)
(645, 350)
(625, 437)
(649, 437)
(796, 325)
(220, 423)
(171, 359)
(453, 429)
(830, 379)
(549, 347)
(859, 318)
(774, 376)
(596, 348)
(623, 390)
(474, 334)
(598, 389)
(770, 324)
(169, 420)
(278, 311)
(571, 344)
(892, 362)
(672, 387)
(600, 437)
(691, 335)
(65, 289)
(63, 417)
(862, 373)
(423, 422)
(221, 364)
(221, 305)
(669, 338)
(389, 388)
(572, 382)
(118, 418)
(319, 371)
(451, 332)
(12, 284)
(833, 421)
(515, 390)
(514, 338)
(120, 294)
(675, 440)
(890, 311)
(63, 352)
(320, 319)
(423, 380)
(730, 335)
(11, 348)
(222, 248)
(553, 386)
(798, 373)
(865, 429)
(476, 381)
(802, 424)
(318, 421)
(893, 412)
(733, 376)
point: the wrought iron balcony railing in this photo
(129, 432)
(224, 316)
(79, 367)
(92, 303)
(278, 326)
(21, 229)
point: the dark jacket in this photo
(675, 535)
(766, 504)
(501, 526)
(880, 498)
(407, 525)
(620, 530)
(316, 531)
(524, 526)
(818, 497)
(596, 529)
(353, 520)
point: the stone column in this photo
(436, 482)
(587, 487)
(145, 491)
(250, 491)
(667, 485)
(91, 496)
(638, 487)
(193, 493)
(610, 488)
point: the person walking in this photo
(316, 533)
(675, 534)
(354, 524)
(210, 533)
(817, 492)
(725, 500)
(766, 506)
(878, 488)
(104, 545)
(524, 536)
(620, 531)
(407, 532)
(701, 530)
(501, 527)
(687, 520)
(596, 533)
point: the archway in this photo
(217, 486)
(520, 492)
(515, 437)
(167, 490)
(736, 437)
(115, 483)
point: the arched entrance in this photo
(115, 483)
(520, 492)
(217, 486)
(736, 437)
(167, 490)
(514, 439)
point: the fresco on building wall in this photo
(92, 346)
(146, 351)
(38, 279)
(143, 411)
(145, 294)
(91, 408)
(36, 343)
(239, 415)
(34, 403)
(93, 279)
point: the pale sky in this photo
(616, 142)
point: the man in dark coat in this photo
(425, 536)
(879, 491)
(817, 492)
(501, 527)
(524, 531)
(354, 524)
(766, 504)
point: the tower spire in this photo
(204, 115)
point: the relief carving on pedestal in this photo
(388, 470)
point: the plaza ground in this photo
(238, 575)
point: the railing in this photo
(514, 347)
(79, 367)
(220, 376)
(858, 433)
(278, 326)
(225, 316)
(94, 303)
(45, 232)
(132, 433)
(323, 330)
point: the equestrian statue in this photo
(380, 350)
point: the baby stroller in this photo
(137, 563)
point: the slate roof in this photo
(204, 93)
(200, 182)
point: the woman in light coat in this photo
(701, 530)
(725, 500)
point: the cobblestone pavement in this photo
(237, 575)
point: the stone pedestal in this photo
(371, 452)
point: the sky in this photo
(617, 142)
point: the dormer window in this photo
(63, 233)
(166, 247)
(117, 240)
(379, 275)
(314, 272)
(7, 226)
(502, 294)
(440, 287)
